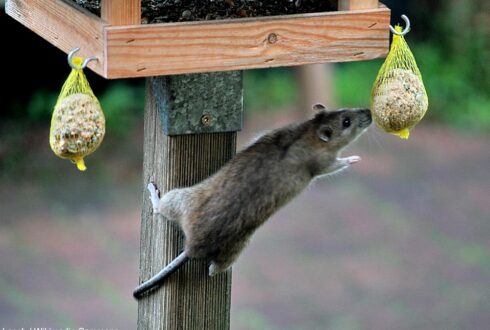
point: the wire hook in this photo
(407, 27)
(85, 62)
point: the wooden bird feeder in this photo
(128, 50)
(187, 136)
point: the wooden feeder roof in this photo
(135, 50)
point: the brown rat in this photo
(219, 215)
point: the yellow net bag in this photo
(78, 123)
(398, 98)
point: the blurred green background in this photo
(402, 241)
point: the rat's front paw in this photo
(342, 163)
(352, 159)
(154, 196)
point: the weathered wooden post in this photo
(178, 105)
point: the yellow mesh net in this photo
(398, 98)
(76, 82)
(78, 123)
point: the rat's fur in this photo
(219, 215)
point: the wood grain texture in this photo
(175, 48)
(357, 4)
(121, 12)
(189, 299)
(64, 25)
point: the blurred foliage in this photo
(270, 89)
(458, 94)
(353, 82)
(123, 107)
(39, 107)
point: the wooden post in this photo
(189, 299)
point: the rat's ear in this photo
(324, 133)
(319, 107)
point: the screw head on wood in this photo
(206, 120)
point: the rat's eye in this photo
(346, 122)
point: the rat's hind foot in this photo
(154, 196)
(213, 269)
(216, 268)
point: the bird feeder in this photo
(127, 49)
(194, 105)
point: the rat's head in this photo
(337, 128)
(331, 132)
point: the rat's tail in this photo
(157, 279)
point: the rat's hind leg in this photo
(224, 260)
(172, 204)
(216, 268)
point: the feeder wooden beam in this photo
(176, 48)
(133, 50)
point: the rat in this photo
(219, 215)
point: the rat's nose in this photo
(366, 112)
(366, 118)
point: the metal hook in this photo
(407, 27)
(85, 62)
